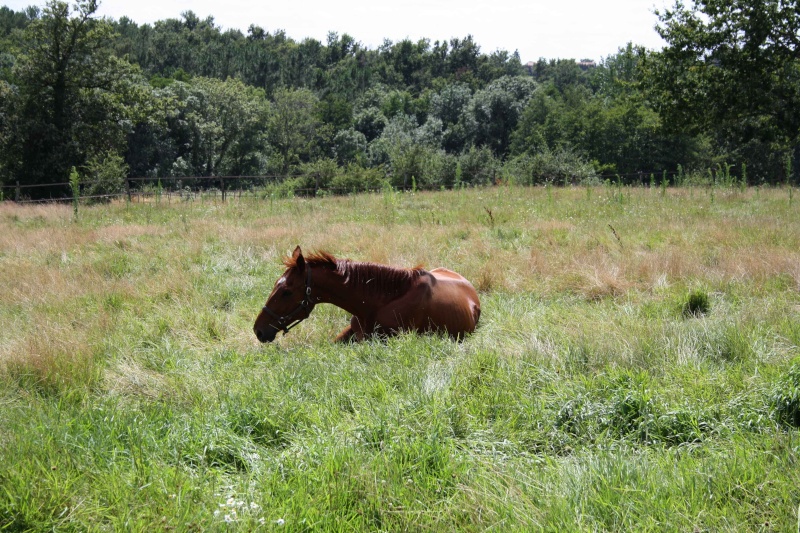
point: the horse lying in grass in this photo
(382, 299)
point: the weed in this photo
(785, 397)
(697, 304)
(75, 185)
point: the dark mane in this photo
(375, 277)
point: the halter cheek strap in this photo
(285, 323)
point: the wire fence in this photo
(185, 187)
(221, 188)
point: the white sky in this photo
(545, 28)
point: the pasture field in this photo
(637, 366)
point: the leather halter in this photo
(284, 322)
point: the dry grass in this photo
(129, 366)
(53, 360)
(174, 260)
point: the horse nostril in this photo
(259, 335)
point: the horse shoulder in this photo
(424, 285)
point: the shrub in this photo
(319, 174)
(350, 145)
(478, 166)
(550, 166)
(106, 174)
(785, 400)
(357, 178)
(696, 304)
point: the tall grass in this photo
(635, 367)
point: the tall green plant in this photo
(74, 183)
(106, 174)
(743, 180)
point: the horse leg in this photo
(346, 335)
(354, 332)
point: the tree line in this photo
(185, 97)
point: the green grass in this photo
(637, 367)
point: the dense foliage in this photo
(185, 97)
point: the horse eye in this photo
(286, 293)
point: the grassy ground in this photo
(134, 395)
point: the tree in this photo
(618, 131)
(73, 94)
(292, 126)
(216, 127)
(731, 69)
(620, 73)
(497, 108)
(227, 119)
(450, 106)
(371, 122)
(7, 127)
(350, 146)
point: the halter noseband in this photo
(284, 322)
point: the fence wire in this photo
(222, 187)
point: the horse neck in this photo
(354, 295)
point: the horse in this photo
(383, 300)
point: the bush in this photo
(350, 146)
(319, 174)
(478, 166)
(785, 400)
(106, 175)
(696, 304)
(550, 166)
(357, 178)
(289, 187)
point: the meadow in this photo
(637, 366)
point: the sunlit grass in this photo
(134, 395)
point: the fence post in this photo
(222, 186)
(16, 192)
(128, 188)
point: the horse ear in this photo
(299, 260)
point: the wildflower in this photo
(280, 521)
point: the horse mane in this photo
(375, 277)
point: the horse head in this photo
(290, 301)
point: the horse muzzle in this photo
(266, 334)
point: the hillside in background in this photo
(185, 97)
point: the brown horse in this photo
(382, 299)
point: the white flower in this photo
(280, 521)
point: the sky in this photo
(575, 29)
